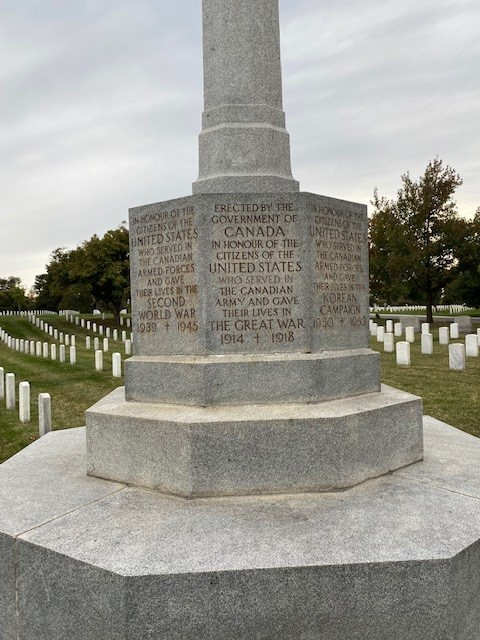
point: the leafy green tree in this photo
(94, 274)
(419, 232)
(12, 295)
(465, 287)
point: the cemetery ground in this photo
(73, 388)
(450, 396)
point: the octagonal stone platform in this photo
(87, 559)
(253, 449)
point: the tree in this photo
(12, 295)
(465, 287)
(95, 273)
(421, 230)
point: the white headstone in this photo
(96, 344)
(99, 360)
(115, 334)
(73, 341)
(10, 399)
(444, 335)
(410, 334)
(389, 343)
(380, 334)
(373, 329)
(2, 383)
(389, 326)
(454, 331)
(62, 353)
(105, 344)
(456, 356)
(38, 349)
(427, 344)
(116, 365)
(67, 340)
(107, 332)
(403, 353)
(73, 355)
(471, 345)
(44, 413)
(53, 351)
(46, 350)
(425, 327)
(128, 347)
(24, 402)
(87, 342)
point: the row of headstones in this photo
(452, 308)
(89, 326)
(47, 350)
(86, 324)
(8, 393)
(74, 316)
(457, 354)
(26, 313)
(444, 333)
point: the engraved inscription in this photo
(165, 295)
(340, 287)
(255, 273)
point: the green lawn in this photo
(73, 388)
(451, 396)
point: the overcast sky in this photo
(101, 106)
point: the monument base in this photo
(253, 449)
(396, 557)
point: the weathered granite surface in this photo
(244, 145)
(395, 557)
(252, 449)
(249, 273)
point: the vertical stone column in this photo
(244, 146)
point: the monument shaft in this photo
(244, 146)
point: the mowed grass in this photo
(450, 396)
(73, 388)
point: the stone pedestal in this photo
(88, 559)
(252, 370)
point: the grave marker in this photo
(24, 402)
(471, 345)
(389, 343)
(454, 331)
(44, 413)
(456, 356)
(444, 335)
(427, 344)
(403, 353)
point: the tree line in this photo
(95, 274)
(421, 251)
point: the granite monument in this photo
(254, 481)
